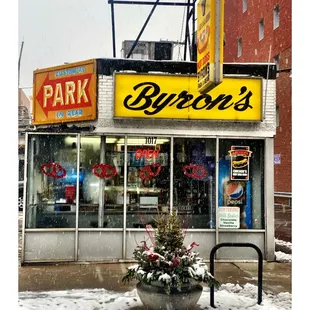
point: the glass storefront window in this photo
(241, 184)
(102, 189)
(52, 180)
(194, 181)
(148, 179)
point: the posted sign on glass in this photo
(210, 38)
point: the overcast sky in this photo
(58, 31)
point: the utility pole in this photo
(19, 60)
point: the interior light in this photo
(111, 140)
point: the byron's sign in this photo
(177, 96)
(65, 93)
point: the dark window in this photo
(163, 51)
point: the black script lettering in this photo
(143, 95)
(150, 99)
(207, 101)
(157, 106)
(243, 106)
(224, 105)
(185, 97)
(222, 97)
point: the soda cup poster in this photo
(235, 196)
(240, 162)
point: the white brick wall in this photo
(106, 123)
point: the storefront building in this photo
(115, 141)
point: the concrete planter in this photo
(154, 297)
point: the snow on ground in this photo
(284, 243)
(281, 256)
(229, 296)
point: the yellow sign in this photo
(177, 96)
(66, 93)
(210, 38)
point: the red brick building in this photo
(252, 30)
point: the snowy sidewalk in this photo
(229, 296)
(276, 276)
(99, 287)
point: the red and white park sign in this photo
(66, 93)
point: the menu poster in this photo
(240, 162)
(229, 217)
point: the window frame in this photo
(276, 60)
(277, 116)
(244, 6)
(261, 29)
(239, 52)
(276, 17)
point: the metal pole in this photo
(217, 160)
(171, 175)
(77, 197)
(193, 34)
(19, 61)
(113, 27)
(25, 196)
(141, 31)
(190, 45)
(260, 266)
(125, 197)
(147, 3)
(186, 29)
(101, 185)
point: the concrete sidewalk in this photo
(276, 276)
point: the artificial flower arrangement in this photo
(167, 260)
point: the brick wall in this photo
(245, 25)
(283, 139)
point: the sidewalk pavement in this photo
(54, 277)
(277, 276)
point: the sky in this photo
(60, 31)
(65, 31)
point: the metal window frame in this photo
(125, 229)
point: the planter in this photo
(154, 297)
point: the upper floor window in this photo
(239, 47)
(261, 29)
(244, 5)
(276, 17)
(276, 61)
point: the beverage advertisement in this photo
(234, 193)
(229, 217)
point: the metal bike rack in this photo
(260, 266)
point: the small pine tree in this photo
(169, 232)
(160, 235)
